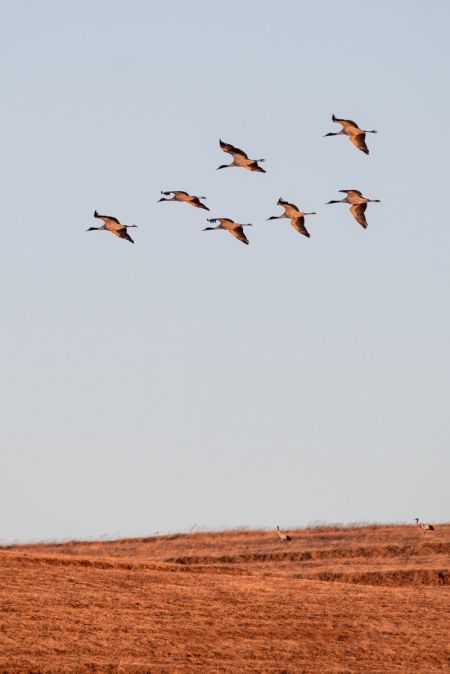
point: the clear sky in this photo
(189, 380)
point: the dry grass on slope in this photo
(243, 602)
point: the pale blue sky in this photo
(191, 380)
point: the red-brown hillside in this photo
(338, 600)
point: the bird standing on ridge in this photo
(359, 204)
(282, 536)
(352, 130)
(240, 158)
(179, 195)
(424, 527)
(234, 228)
(113, 225)
(294, 214)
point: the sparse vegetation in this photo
(337, 600)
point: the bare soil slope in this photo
(338, 600)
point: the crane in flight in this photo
(352, 130)
(235, 228)
(112, 225)
(240, 158)
(294, 214)
(179, 195)
(358, 204)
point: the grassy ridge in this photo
(334, 599)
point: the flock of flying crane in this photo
(353, 197)
(297, 217)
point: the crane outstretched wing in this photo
(106, 218)
(358, 210)
(360, 141)
(227, 147)
(238, 232)
(299, 225)
(345, 122)
(352, 193)
(123, 234)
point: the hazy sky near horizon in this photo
(190, 380)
